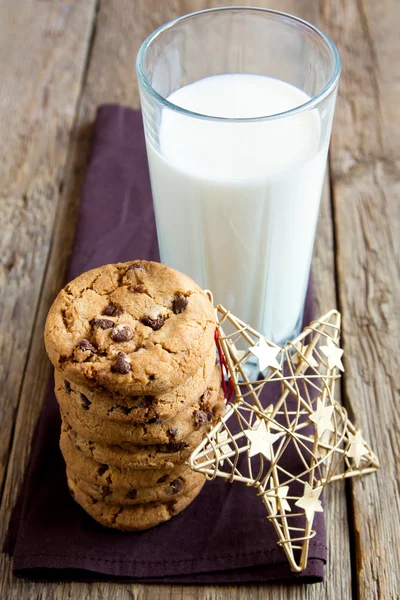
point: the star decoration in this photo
(310, 501)
(266, 354)
(303, 351)
(323, 445)
(284, 433)
(261, 440)
(357, 448)
(281, 493)
(322, 417)
(333, 354)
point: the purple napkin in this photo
(223, 536)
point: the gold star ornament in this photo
(261, 440)
(266, 354)
(284, 433)
(333, 354)
(322, 417)
(310, 501)
(357, 448)
(278, 495)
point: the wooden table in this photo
(59, 61)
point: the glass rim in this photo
(310, 104)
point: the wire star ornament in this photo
(284, 433)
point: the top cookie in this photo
(134, 328)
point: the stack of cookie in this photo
(135, 377)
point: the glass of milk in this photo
(237, 108)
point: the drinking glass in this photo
(237, 194)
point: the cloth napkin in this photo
(223, 536)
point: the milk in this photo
(237, 203)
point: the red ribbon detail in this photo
(227, 385)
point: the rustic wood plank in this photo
(42, 54)
(110, 78)
(366, 175)
(338, 570)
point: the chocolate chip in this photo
(105, 492)
(67, 386)
(200, 417)
(112, 311)
(173, 431)
(138, 266)
(85, 402)
(179, 304)
(137, 289)
(122, 364)
(163, 479)
(102, 469)
(174, 446)
(102, 323)
(132, 494)
(176, 485)
(86, 345)
(122, 333)
(210, 415)
(155, 324)
(143, 401)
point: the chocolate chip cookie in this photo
(132, 456)
(85, 421)
(135, 409)
(132, 518)
(104, 475)
(162, 492)
(134, 328)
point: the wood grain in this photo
(42, 57)
(366, 175)
(111, 78)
